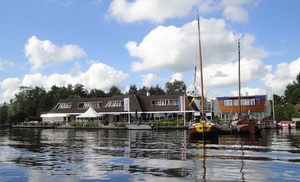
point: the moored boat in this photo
(268, 123)
(139, 127)
(243, 124)
(202, 127)
(287, 124)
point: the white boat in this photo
(287, 124)
(139, 127)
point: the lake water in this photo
(160, 155)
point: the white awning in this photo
(53, 115)
(90, 113)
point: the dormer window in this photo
(115, 103)
(63, 106)
(164, 102)
(84, 105)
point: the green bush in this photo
(166, 122)
(120, 124)
(124, 123)
(84, 124)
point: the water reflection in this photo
(228, 155)
(76, 155)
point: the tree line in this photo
(31, 102)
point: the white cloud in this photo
(220, 76)
(233, 10)
(98, 76)
(43, 53)
(151, 79)
(6, 63)
(154, 10)
(9, 87)
(208, 6)
(162, 48)
(250, 91)
(157, 10)
(236, 14)
(176, 49)
(284, 74)
(177, 76)
(236, 10)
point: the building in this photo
(123, 108)
(256, 106)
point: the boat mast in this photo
(239, 75)
(201, 70)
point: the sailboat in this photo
(202, 127)
(138, 125)
(243, 124)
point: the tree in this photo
(157, 90)
(143, 91)
(114, 90)
(290, 111)
(79, 91)
(26, 104)
(4, 113)
(292, 91)
(97, 93)
(175, 88)
(132, 90)
(278, 99)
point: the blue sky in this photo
(101, 43)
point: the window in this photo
(95, 105)
(115, 103)
(236, 102)
(173, 102)
(227, 102)
(244, 102)
(63, 106)
(165, 102)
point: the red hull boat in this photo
(244, 126)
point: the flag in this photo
(195, 75)
(192, 101)
(181, 104)
(126, 104)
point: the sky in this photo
(101, 43)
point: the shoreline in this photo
(223, 130)
(95, 128)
